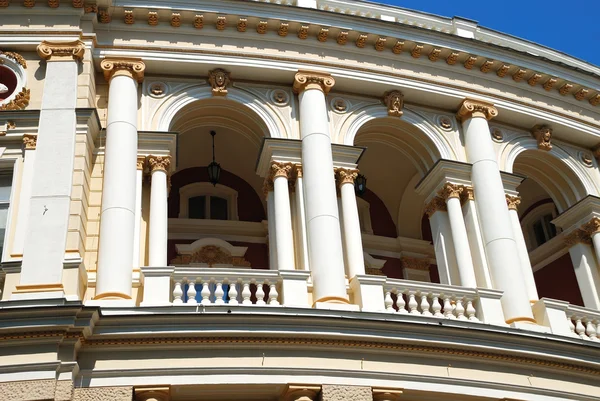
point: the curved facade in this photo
(293, 200)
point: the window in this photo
(5, 187)
(537, 225)
(202, 200)
(544, 230)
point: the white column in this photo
(29, 143)
(270, 195)
(158, 233)
(139, 185)
(302, 247)
(117, 223)
(513, 203)
(480, 264)
(586, 267)
(442, 241)
(52, 181)
(497, 231)
(323, 226)
(351, 223)
(451, 193)
(283, 215)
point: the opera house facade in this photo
(293, 200)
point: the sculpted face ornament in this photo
(543, 135)
(219, 80)
(394, 100)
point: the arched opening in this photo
(398, 155)
(550, 188)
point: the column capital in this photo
(578, 236)
(300, 392)
(345, 175)
(268, 187)
(470, 108)
(436, 204)
(159, 163)
(304, 80)
(592, 227)
(30, 141)
(131, 67)
(141, 162)
(278, 169)
(450, 190)
(297, 170)
(467, 195)
(513, 202)
(61, 51)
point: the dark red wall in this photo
(557, 280)
(8, 78)
(381, 221)
(250, 207)
(257, 254)
(393, 269)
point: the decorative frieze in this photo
(470, 108)
(61, 51)
(199, 21)
(452, 58)
(519, 75)
(29, 141)
(221, 23)
(128, 17)
(578, 236)
(581, 94)
(565, 89)
(219, 79)
(436, 204)
(543, 135)
(152, 18)
(450, 190)
(394, 101)
(242, 25)
(534, 79)
(434, 55)
(486, 66)
(131, 67)
(304, 80)
(513, 202)
(159, 163)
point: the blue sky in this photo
(569, 26)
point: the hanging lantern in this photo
(360, 185)
(214, 168)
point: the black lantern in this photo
(360, 185)
(214, 168)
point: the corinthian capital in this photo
(592, 227)
(131, 67)
(513, 202)
(61, 51)
(313, 80)
(470, 108)
(345, 176)
(576, 237)
(436, 204)
(159, 163)
(280, 170)
(450, 191)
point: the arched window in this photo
(202, 200)
(537, 226)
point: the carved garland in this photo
(19, 102)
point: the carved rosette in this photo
(470, 108)
(513, 202)
(61, 51)
(29, 141)
(159, 163)
(304, 80)
(449, 191)
(592, 227)
(345, 176)
(219, 79)
(436, 204)
(394, 101)
(130, 67)
(543, 135)
(578, 236)
(280, 170)
(415, 263)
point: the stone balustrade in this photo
(584, 322)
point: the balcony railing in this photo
(584, 322)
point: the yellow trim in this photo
(119, 295)
(332, 300)
(521, 319)
(39, 288)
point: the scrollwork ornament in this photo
(304, 80)
(61, 51)
(219, 79)
(19, 102)
(592, 227)
(280, 97)
(131, 67)
(470, 108)
(17, 57)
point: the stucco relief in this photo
(103, 394)
(345, 393)
(29, 390)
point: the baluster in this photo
(579, 328)
(177, 293)
(471, 311)
(597, 329)
(246, 293)
(205, 292)
(388, 302)
(412, 303)
(400, 302)
(590, 330)
(571, 325)
(260, 294)
(448, 310)
(191, 292)
(233, 293)
(435, 305)
(219, 293)
(425, 305)
(459, 309)
(273, 294)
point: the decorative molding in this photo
(242, 24)
(152, 18)
(283, 29)
(513, 202)
(578, 236)
(470, 108)
(361, 41)
(199, 21)
(128, 17)
(322, 35)
(452, 58)
(380, 44)
(445, 123)
(280, 97)
(549, 84)
(435, 54)
(519, 75)
(543, 135)
(398, 47)
(450, 190)
(141, 162)
(436, 204)
(103, 16)
(221, 23)
(90, 8)
(175, 20)
(342, 38)
(261, 27)
(7, 125)
(565, 89)
(303, 32)
(157, 89)
(470, 62)
(486, 66)
(416, 51)
(304, 80)
(19, 102)
(581, 94)
(219, 79)
(503, 70)
(534, 79)
(586, 159)
(497, 135)
(394, 101)
(61, 51)
(15, 56)
(159, 163)
(30, 141)
(77, 3)
(595, 100)
(131, 67)
(339, 105)
(345, 176)
(297, 171)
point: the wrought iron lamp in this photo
(360, 185)
(214, 168)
